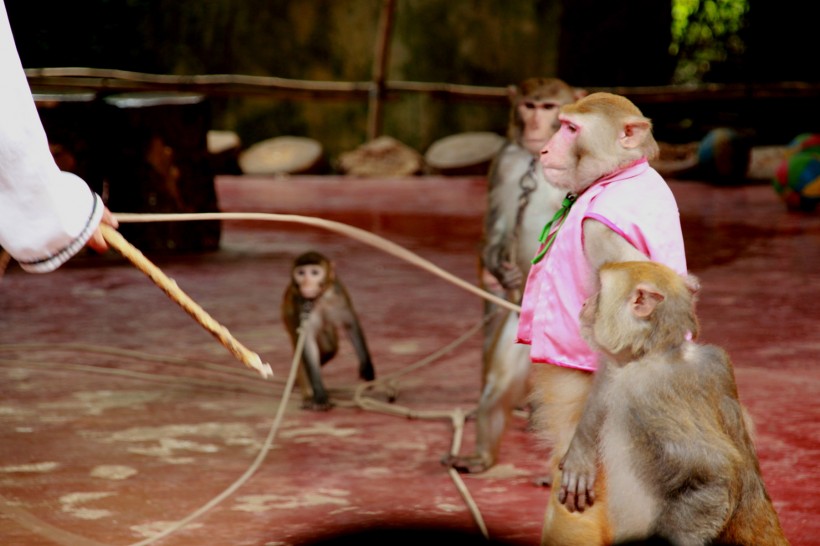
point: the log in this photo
(281, 155)
(72, 123)
(157, 161)
(464, 153)
(224, 148)
(382, 156)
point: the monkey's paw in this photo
(367, 372)
(468, 464)
(313, 405)
(577, 483)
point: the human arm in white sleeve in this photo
(46, 216)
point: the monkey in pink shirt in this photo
(617, 209)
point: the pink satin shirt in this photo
(637, 204)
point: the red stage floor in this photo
(113, 425)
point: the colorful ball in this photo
(805, 142)
(723, 156)
(797, 180)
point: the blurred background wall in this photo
(588, 43)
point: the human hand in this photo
(97, 241)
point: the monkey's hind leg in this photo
(755, 520)
(560, 395)
(506, 368)
(491, 420)
(304, 384)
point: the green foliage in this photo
(706, 37)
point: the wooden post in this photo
(380, 60)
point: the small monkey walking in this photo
(664, 414)
(316, 299)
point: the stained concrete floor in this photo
(119, 416)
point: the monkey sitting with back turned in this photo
(316, 300)
(664, 419)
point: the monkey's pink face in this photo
(559, 156)
(539, 119)
(310, 279)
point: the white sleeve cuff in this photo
(57, 257)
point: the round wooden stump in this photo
(382, 156)
(281, 155)
(464, 153)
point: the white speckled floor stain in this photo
(100, 447)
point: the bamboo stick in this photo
(380, 61)
(102, 79)
(169, 286)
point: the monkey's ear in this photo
(634, 132)
(644, 299)
(578, 93)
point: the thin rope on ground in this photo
(455, 416)
(237, 373)
(280, 412)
